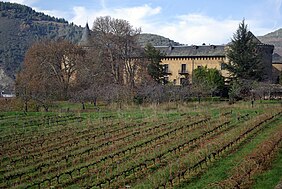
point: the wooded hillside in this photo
(20, 26)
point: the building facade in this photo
(179, 62)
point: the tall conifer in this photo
(243, 55)
(155, 69)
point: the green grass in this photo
(270, 178)
(221, 168)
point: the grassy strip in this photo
(270, 178)
(219, 171)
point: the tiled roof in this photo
(192, 51)
(255, 39)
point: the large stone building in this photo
(180, 61)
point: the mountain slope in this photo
(274, 38)
(155, 40)
(20, 26)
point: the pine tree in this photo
(242, 53)
(155, 69)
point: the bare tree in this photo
(117, 40)
(49, 70)
(22, 89)
(91, 78)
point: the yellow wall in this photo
(174, 66)
(276, 71)
(277, 66)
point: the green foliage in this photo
(155, 70)
(209, 78)
(242, 53)
(234, 91)
(138, 99)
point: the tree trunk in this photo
(46, 108)
(95, 102)
(25, 106)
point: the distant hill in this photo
(274, 38)
(20, 26)
(155, 40)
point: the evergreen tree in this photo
(242, 53)
(155, 69)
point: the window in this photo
(165, 66)
(222, 66)
(183, 81)
(183, 68)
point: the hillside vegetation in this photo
(20, 26)
(155, 40)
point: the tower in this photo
(86, 37)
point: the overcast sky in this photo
(184, 21)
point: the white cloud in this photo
(277, 16)
(187, 29)
(276, 7)
(137, 16)
(198, 29)
(193, 28)
(81, 16)
(268, 13)
(258, 27)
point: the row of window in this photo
(183, 81)
(184, 68)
